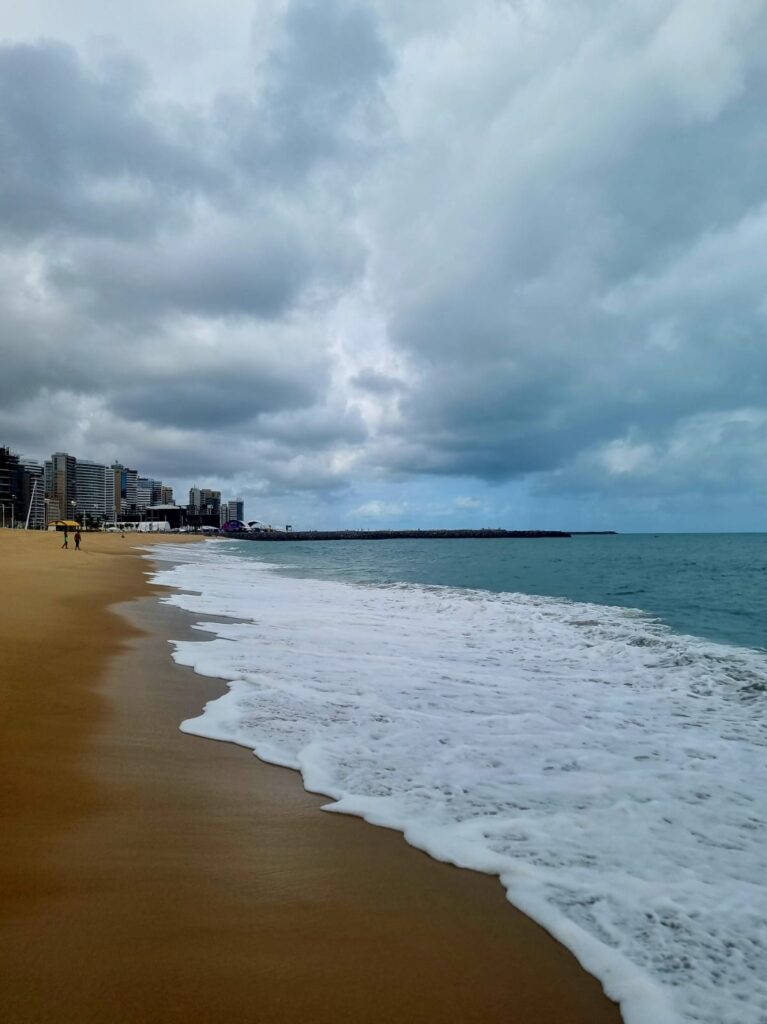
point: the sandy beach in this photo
(147, 875)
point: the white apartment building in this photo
(143, 493)
(95, 490)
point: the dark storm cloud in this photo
(312, 428)
(593, 271)
(125, 217)
(80, 154)
(330, 62)
(376, 383)
(695, 177)
(24, 370)
(320, 98)
(219, 396)
(228, 272)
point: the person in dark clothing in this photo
(78, 538)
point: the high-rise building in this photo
(125, 490)
(52, 511)
(95, 490)
(11, 487)
(61, 485)
(205, 506)
(156, 492)
(143, 493)
(117, 471)
(131, 489)
(236, 509)
(48, 477)
(210, 502)
(166, 496)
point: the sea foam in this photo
(611, 772)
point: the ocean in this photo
(584, 718)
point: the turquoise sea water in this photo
(709, 585)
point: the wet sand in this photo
(151, 876)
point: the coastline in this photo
(149, 875)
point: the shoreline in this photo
(151, 875)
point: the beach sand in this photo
(149, 876)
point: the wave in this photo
(611, 772)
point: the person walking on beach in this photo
(78, 538)
(66, 540)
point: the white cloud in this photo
(379, 510)
(707, 452)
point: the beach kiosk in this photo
(64, 525)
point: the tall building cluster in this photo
(22, 491)
(68, 488)
(204, 502)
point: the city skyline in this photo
(39, 491)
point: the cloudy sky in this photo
(385, 262)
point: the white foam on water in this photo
(611, 772)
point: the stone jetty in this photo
(294, 535)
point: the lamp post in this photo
(74, 505)
(13, 508)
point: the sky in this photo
(377, 263)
